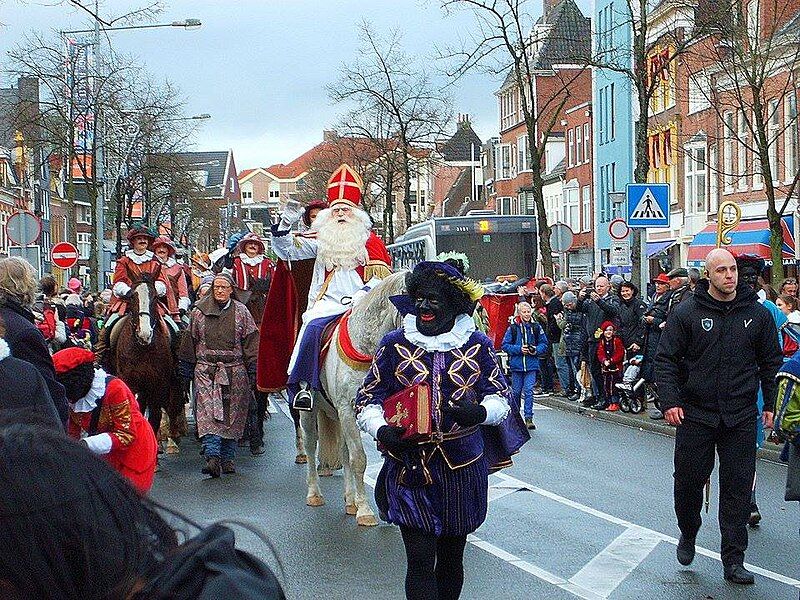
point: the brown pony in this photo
(143, 356)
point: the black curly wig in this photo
(77, 382)
(453, 297)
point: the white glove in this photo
(161, 288)
(121, 289)
(291, 214)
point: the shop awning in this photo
(750, 237)
(654, 248)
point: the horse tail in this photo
(330, 440)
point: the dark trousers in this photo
(547, 369)
(597, 372)
(435, 565)
(694, 461)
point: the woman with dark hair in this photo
(104, 415)
(631, 311)
(435, 487)
(71, 528)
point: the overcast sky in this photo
(260, 67)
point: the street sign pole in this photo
(648, 206)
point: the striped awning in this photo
(750, 237)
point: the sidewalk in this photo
(641, 421)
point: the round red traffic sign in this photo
(618, 229)
(64, 255)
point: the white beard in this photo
(342, 245)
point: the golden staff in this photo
(728, 218)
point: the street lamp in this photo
(189, 24)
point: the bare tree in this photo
(746, 73)
(390, 87)
(504, 42)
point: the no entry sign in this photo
(64, 255)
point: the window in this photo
(695, 173)
(570, 148)
(504, 205)
(523, 154)
(699, 90)
(661, 75)
(713, 189)
(578, 145)
(612, 114)
(752, 22)
(274, 190)
(587, 143)
(247, 195)
(741, 151)
(586, 208)
(571, 214)
(790, 137)
(727, 153)
(504, 164)
(84, 245)
(600, 132)
(508, 108)
(83, 213)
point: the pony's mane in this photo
(375, 315)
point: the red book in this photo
(410, 408)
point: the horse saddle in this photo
(344, 345)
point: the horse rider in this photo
(165, 250)
(131, 267)
(251, 270)
(349, 260)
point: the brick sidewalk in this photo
(768, 451)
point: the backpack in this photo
(515, 327)
(787, 404)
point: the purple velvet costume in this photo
(441, 487)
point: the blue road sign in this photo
(648, 204)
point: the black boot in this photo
(738, 574)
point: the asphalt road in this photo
(585, 512)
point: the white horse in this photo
(334, 422)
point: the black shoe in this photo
(738, 574)
(588, 401)
(257, 449)
(755, 516)
(213, 467)
(303, 400)
(685, 551)
(599, 406)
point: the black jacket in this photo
(713, 355)
(24, 395)
(631, 328)
(553, 332)
(605, 309)
(27, 343)
(574, 332)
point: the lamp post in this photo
(97, 166)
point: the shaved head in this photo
(723, 276)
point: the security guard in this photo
(717, 346)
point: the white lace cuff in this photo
(497, 409)
(370, 419)
(99, 444)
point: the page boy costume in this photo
(436, 489)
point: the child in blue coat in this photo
(524, 342)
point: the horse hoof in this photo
(172, 448)
(350, 509)
(366, 521)
(324, 472)
(315, 501)
(300, 459)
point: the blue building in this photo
(613, 118)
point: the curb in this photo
(768, 451)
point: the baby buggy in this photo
(634, 392)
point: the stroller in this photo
(634, 392)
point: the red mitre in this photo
(345, 186)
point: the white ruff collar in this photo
(140, 259)
(449, 340)
(169, 263)
(5, 351)
(98, 390)
(251, 262)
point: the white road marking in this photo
(612, 566)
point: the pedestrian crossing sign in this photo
(648, 205)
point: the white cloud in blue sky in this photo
(260, 67)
